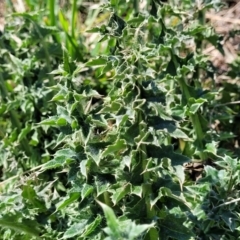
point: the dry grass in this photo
(2, 10)
(224, 22)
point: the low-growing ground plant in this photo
(129, 156)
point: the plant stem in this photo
(147, 187)
(227, 203)
(136, 6)
(194, 117)
(51, 6)
(107, 199)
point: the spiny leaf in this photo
(24, 132)
(70, 199)
(180, 175)
(94, 150)
(86, 190)
(166, 152)
(112, 221)
(97, 62)
(101, 187)
(92, 226)
(26, 227)
(61, 158)
(173, 227)
(50, 121)
(120, 193)
(137, 190)
(120, 145)
(58, 161)
(75, 229)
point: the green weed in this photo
(97, 131)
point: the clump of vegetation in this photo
(110, 137)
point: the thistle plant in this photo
(112, 156)
(120, 147)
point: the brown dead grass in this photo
(225, 21)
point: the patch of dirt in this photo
(227, 24)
